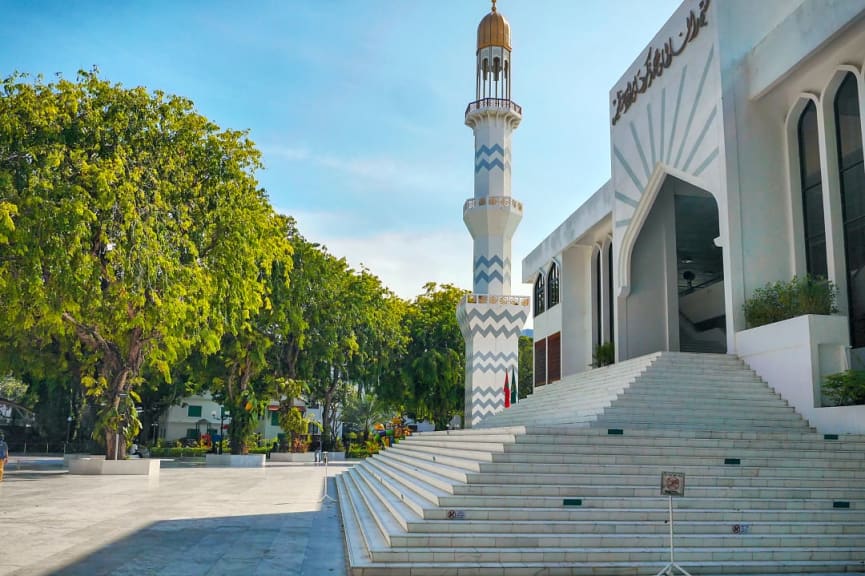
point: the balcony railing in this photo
(500, 103)
(497, 201)
(493, 299)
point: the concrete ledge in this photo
(99, 466)
(67, 458)
(292, 456)
(235, 460)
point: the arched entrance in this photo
(675, 296)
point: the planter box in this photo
(99, 466)
(67, 458)
(292, 456)
(235, 460)
(794, 356)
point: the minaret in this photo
(490, 318)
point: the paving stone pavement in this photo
(188, 521)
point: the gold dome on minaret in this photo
(494, 30)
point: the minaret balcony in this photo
(493, 202)
(494, 107)
(505, 300)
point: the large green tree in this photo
(133, 229)
(434, 365)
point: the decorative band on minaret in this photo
(490, 318)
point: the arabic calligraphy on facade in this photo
(657, 60)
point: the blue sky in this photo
(357, 105)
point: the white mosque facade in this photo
(736, 160)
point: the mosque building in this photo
(736, 161)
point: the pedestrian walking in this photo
(4, 454)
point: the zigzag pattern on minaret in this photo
(489, 151)
(489, 362)
(476, 316)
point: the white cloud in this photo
(382, 171)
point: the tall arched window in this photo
(610, 292)
(553, 285)
(812, 192)
(848, 122)
(597, 317)
(540, 292)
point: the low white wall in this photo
(292, 456)
(100, 466)
(235, 460)
(794, 356)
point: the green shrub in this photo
(604, 355)
(845, 388)
(357, 451)
(783, 300)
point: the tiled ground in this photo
(188, 521)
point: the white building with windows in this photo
(736, 160)
(197, 415)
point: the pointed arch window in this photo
(812, 192)
(540, 292)
(553, 285)
(848, 122)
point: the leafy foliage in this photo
(846, 388)
(138, 231)
(434, 365)
(526, 352)
(783, 300)
(604, 355)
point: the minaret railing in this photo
(498, 103)
(498, 201)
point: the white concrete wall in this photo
(576, 308)
(794, 356)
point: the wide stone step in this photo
(518, 491)
(852, 528)
(645, 555)
(653, 502)
(658, 514)
(648, 440)
(651, 477)
(684, 541)
(704, 470)
(761, 459)
(515, 451)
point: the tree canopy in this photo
(138, 230)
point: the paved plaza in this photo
(188, 521)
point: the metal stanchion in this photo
(325, 496)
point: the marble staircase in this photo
(567, 483)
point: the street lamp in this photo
(222, 414)
(68, 429)
(26, 434)
(155, 426)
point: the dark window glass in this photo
(610, 290)
(553, 284)
(554, 357)
(812, 192)
(274, 418)
(848, 122)
(194, 411)
(540, 362)
(597, 311)
(192, 433)
(540, 292)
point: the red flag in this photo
(507, 392)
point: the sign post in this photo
(672, 484)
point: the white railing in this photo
(502, 201)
